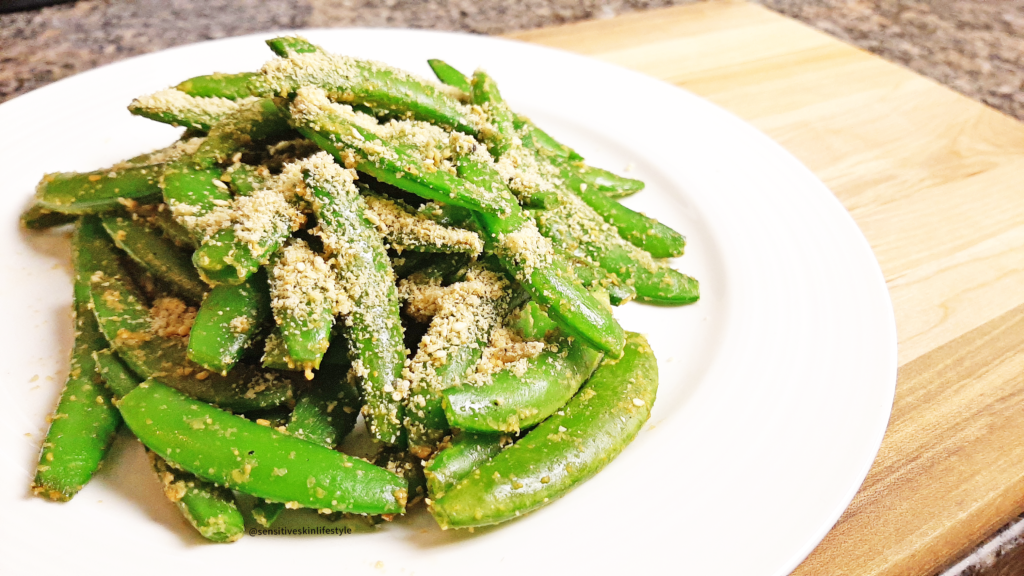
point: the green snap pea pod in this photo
(285, 46)
(485, 94)
(226, 258)
(193, 194)
(404, 228)
(39, 218)
(275, 353)
(511, 402)
(645, 233)
(83, 424)
(209, 508)
(304, 304)
(227, 322)
(407, 466)
(99, 191)
(220, 85)
(549, 280)
(537, 139)
(598, 180)
(576, 228)
(593, 276)
(385, 89)
(349, 135)
(236, 453)
(157, 255)
(244, 179)
(254, 120)
(178, 108)
(467, 313)
(150, 351)
(323, 415)
(449, 75)
(564, 450)
(118, 377)
(373, 329)
(408, 262)
(175, 232)
(466, 452)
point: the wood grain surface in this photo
(934, 180)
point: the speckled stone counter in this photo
(973, 46)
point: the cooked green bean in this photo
(236, 453)
(83, 424)
(564, 450)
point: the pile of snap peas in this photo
(332, 237)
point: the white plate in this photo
(775, 388)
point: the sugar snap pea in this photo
(219, 85)
(349, 136)
(253, 120)
(385, 89)
(158, 255)
(153, 345)
(373, 329)
(323, 415)
(177, 108)
(227, 322)
(117, 376)
(193, 195)
(518, 397)
(564, 450)
(450, 76)
(285, 46)
(645, 233)
(38, 218)
(305, 299)
(236, 453)
(499, 138)
(465, 452)
(99, 191)
(83, 424)
(466, 314)
(528, 256)
(576, 228)
(209, 508)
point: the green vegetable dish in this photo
(333, 237)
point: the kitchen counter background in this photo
(973, 46)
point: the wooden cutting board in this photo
(935, 182)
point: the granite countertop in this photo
(973, 46)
